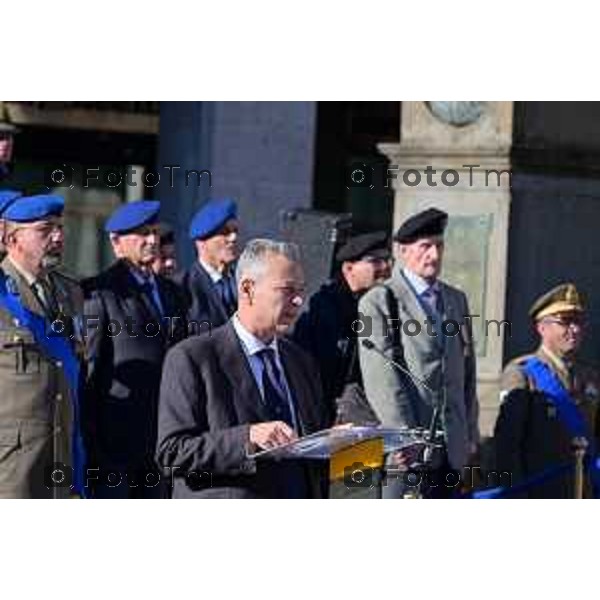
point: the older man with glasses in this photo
(549, 402)
(41, 447)
(132, 317)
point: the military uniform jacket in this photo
(35, 411)
(445, 363)
(529, 436)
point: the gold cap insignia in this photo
(563, 298)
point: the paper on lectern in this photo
(322, 444)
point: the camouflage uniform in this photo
(35, 413)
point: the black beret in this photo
(365, 244)
(427, 223)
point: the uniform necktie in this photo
(273, 388)
(45, 295)
(570, 373)
(148, 288)
(226, 294)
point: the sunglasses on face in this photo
(566, 321)
(44, 229)
(374, 260)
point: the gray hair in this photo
(253, 259)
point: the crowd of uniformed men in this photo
(147, 381)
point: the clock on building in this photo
(457, 114)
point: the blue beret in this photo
(132, 215)
(6, 199)
(33, 208)
(211, 217)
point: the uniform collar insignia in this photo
(11, 286)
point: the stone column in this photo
(456, 156)
(259, 153)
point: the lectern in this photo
(356, 455)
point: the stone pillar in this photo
(456, 156)
(259, 153)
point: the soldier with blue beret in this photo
(6, 198)
(211, 217)
(122, 386)
(133, 215)
(209, 284)
(39, 367)
(27, 209)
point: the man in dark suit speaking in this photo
(243, 389)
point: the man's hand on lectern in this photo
(271, 434)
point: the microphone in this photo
(369, 345)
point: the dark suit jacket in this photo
(324, 331)
(203, 302)
(208, 400)
(123, 378)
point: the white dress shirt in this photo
(214, 274)
(422, 287)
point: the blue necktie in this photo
(433, 299)
(46, 298)
(273, 388)
(148, 289)
(225, 290)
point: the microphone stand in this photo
(431, 439)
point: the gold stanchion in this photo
(579, 445)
